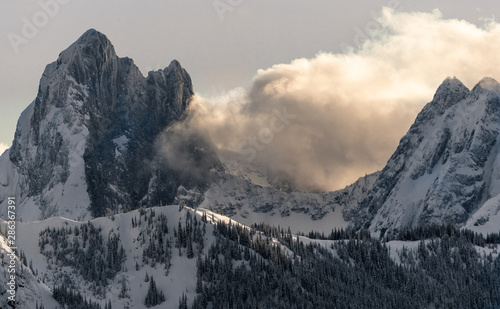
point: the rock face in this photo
(87, 142)
(447, 165)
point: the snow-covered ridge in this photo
(445, 167)
(135, 231)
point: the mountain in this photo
(86, 146)
(101, 138)
(446, 168)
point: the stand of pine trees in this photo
(68, 298)
(444, 272)
(84, 248)
(154, 296)
(268, 267)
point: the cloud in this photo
(3, 147)
(347, 112)
(188, 153)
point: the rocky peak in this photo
(92, 45)
(450, 92)
(489, 84)
(87, 143)
(488, 87)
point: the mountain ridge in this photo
(442, 168)
(100, 138)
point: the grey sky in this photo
(219, 53)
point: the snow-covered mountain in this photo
(90, 144)
(446, 168)
(86, 145)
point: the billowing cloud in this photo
(326, 121)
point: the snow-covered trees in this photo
(357, 272)
(154, 296)
(96, 259)
(266, 267)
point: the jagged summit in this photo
(91, 36)
(450, 83)
(91, 32)
(174, 65)
(450, 92)
(91, 45)
(85, 146)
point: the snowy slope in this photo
(180, 278)
(138, 229)
(182, 274)
(487, 218)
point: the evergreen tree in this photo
(183, 302)
(190, 252)
(153, 297)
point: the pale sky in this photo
(223, 43)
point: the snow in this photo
(298, 222)
(487, 218)
(68, 198)
(396, 246)
(182, 274)
(181, 277)
(302, 212)
(121, 144)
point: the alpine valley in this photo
(90, 181)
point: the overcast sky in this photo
(221, 43)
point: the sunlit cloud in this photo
(350, 109)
